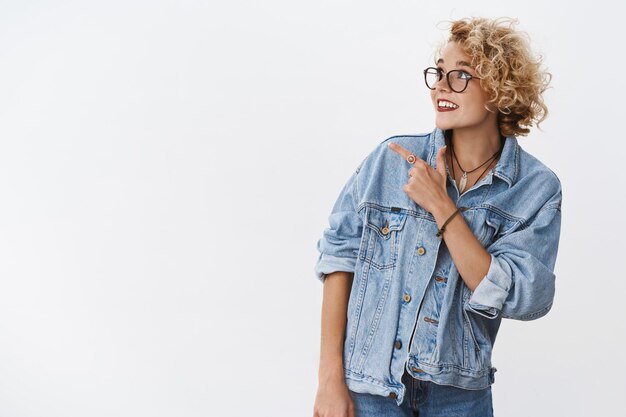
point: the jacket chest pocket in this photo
(489, 226)
(381, 236)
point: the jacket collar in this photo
(507, 167)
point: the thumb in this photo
(441, 162)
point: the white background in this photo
(166, 168)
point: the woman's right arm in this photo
(333, 398)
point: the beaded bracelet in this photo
(443, 228)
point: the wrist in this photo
(443, 211)
(330, 373)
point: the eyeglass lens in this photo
(457, 79)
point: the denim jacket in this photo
(408, 306)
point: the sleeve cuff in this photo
(327, 264)
(491, 293)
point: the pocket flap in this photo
(385, 220)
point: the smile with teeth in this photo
(448, 104)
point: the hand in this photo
(333, 400)
(426, 185)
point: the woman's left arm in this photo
(515, 275)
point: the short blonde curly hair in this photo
(512, 77)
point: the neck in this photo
(472, 148)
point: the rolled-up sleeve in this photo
(339, 244)
(520, 282)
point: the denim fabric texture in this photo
(426, 399)
(409, 310)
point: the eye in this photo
(462, 75)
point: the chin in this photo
(443, 125)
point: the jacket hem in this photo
(455, 376)
(366, 384)
(437, 374)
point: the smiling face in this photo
(460, 111)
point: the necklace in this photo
(463, 181)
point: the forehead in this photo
(451, 55)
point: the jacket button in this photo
(398, 344)
(407, 297)
(416, 369)
(393, 395)
(421, 251)
(441, 279)
(385, 230)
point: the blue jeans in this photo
(426, 399)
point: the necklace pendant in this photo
(463, 182)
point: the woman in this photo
(437, 237)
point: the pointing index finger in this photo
(403, 152)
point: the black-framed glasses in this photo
(457, 79)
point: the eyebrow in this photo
(458, 63)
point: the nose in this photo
(442, 84)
